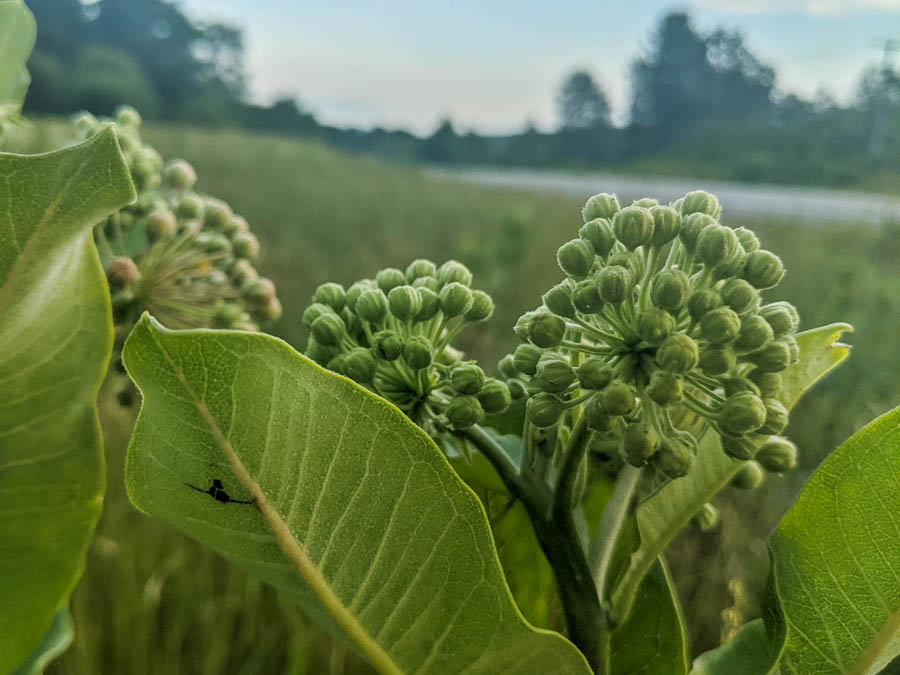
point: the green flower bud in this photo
(122, 272)
(739, 295)
(180, 174)
(742, 413)
(227, 315)
(645, 202)
(190, 227)
(336, 364)
(691, 227)
(633, 226)
(268, 310)
(454, 271)
(777, 455)
(717, 245)
(599, 234)
(769, 383)
(242, 271)
(666, 224)
(671, 289)
(793, 347)
(773, 358)
(404, 302)
(703, 301)
(776, 417)
(618, 398)
(594, 373)
(707, 518)
(700, 201)
(464, 411)
(782, 317)
(507, 367)
(372, 306)
(559, 300)
(245, 245)
(586, 297)
(554, 374)
(639, 443)
(546, 329)
(430, 283)
(749, 477)
(389, 278)
(679, 353)
(748, 239)
(467, 378)
(720, 325)
(738, 447)
(597, 418)
(526, 358)
(235, 225)
(763, 269)
(482, 307)
(313, 312)
(575, 258)
(654, 325)
(494, 396)
(600, 206)
(417, 352)
(717, 359)
(217, 243)
(357, 289)
(160, 224)
(387, 345)
(755, 334)
(674, 458)
(665, 388)
(127, 116)
(328, 329)
(516, 389)
(733, 385)
(190, 206)
(259, 290)
(455, 299)
(359, 365)
(216, 213)
(420, 268)
(544, 410)
(614, 284)
(330, 294)
(431, 303)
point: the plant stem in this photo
(497, 456)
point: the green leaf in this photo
(357, 514)
(17, 36)
(664, 514)
(837, 558)
(652, 640)
(56, 640)
(55, 341)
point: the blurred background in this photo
(358, 135)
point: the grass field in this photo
(152, 601)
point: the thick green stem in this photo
(501, 462)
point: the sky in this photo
(493, 66)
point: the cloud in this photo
(810, 7)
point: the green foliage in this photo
(413, 589)
(55, 641)
(51, 291)
(17, 35)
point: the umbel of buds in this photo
(393, 334)
(183, 256)
(660, 320)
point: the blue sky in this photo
(493, 64)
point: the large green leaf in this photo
(17, 35)
(55, 341)
(356, 513)
(837, 558)
(669, 510)
(55, 641)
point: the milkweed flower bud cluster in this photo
(393, 334)
(659, 318)
(183, 256)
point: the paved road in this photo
(811, 205)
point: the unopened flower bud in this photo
(645, 202)
(372, 306)
(639, 443)
(313, 312)
(691, 227)
(674, 458)
(739, 295)
(738, 447)
(599, 234)
(330, 294)
(404, 302)
(773, 358)
(455, 299)
(654, 325)
(717, 245)
(190, 206)
(431, 303)
(454, 271)
(464, 411)
(755, 334)
(782, 316)
(665, 388)
(600, 206)
(793, 347)
(575, 258)
(703, 301)
(387, 345)
(559, 300)
(594, 373)
(417, 352)
(357, 289)
(180, 174)
(700, 201)
(494, 396)
(742, 413)
(482, 307)
(614, 284)
(586, 297)
(268, 310)
(245, 245)
(763, 269)
(546, 329)
(359, 365)
(526, 358)
(389, 278)
(127, 116)
(666, 223)
(216, 214)
(618, 398)
(776, 417)
(769, 384)
(734, 384)
(258, 290)
(544, 410)
(777, 455)
(554, 374)
(467, 378)
(160, 224)
(749, 477)
(328, 329)
(707, 518)
(420, 268)
(633, 226)
(227, 315)
(596, 417)
(507, 367)
(678, 353)
(720, 325)
(122, 272)
(517, 390)
(671, 289)
(717, 359)
(748, 239)
(217, 243)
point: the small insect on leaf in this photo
(217, 492)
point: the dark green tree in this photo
(582, 103)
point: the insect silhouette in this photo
(217, 492)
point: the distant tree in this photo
(582, 103)
(442, 145)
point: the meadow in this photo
(152, 601)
